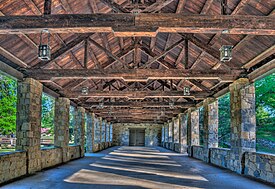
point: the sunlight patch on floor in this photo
(85, 176)
(148, 171)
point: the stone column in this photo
(111, 134)
(80, 129)
(210, 126)
(183, 132)
(107, 134)
(61, 126)
(176, 125)
(90, 132)
(100, 122)
(193, 129)
(167, 135)
(243, 122)
(103, 134)
(162, 135)
(28, 123)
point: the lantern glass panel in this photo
(44, 52)
(186, 91)
(226, 53)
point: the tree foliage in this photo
(224, 121)
(8, 99)
(47, 113)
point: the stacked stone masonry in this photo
(12, 165)
(255, 164)
(121, 133)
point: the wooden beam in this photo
(141, 24)
(140, 104)
(136, 94)
(263, 71)
(113, 5)
(10, 71)
(268, 52)
(206, 6)
(47, 7)
(12, 58)
(180, 6)
(157, 6)
(63, 50)
(149, 52)
(132, 74)
(108, 52)
(186, 51)
(85, 53)
(152, 60)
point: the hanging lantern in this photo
(44, 49)
(226, 53)
(171, 105)
(186, 91)
(85, 90)
(101, 105)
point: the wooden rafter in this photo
(136, 94)
(131, 74)
(140, 24)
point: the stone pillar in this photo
(243, 122)
(28, 123)
(80, 130)
(162, 135)
(176, 129)
(210, 126)
(61, 126)
(107, 134)
(90, 132)
(193, 129)
(111, 133)
(100, 122)
(183, 132)
(166, 139)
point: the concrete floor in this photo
(136, 167)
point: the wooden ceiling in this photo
(136, 59)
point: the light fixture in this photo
(84, 90)
(171, 105)
(226, 53)
(186, 90)
(101, 105)
(44, 49)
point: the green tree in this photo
(8, 100)
(47, 112)
(224, 121)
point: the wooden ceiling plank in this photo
(67, 6)
(33, 7)
(206, 6)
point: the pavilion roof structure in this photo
(136, 59)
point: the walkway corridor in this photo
(136, 167)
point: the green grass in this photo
(6, 150)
